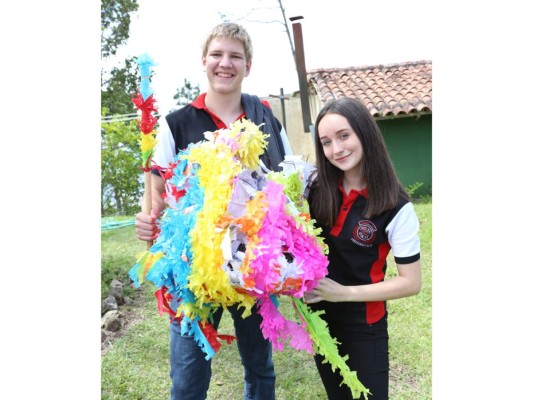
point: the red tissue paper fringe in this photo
(163, 298)
(147, 107)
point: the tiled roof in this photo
(387, 90)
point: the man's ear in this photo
(204, 60)
(248, 67)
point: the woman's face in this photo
(340, 143)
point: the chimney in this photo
(300, 69)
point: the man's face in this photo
(226, 65)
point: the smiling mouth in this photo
(342, 158)
(224, 75)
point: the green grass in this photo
(119, 249)
(136, 367)
(410, 326)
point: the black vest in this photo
(189, 123)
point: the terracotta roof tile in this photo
(387, 90)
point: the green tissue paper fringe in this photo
(326, 346)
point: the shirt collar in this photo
(353, 193)
(199, 103)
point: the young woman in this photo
(358, 201)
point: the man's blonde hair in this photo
(232, 31)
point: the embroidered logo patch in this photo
(364, 233)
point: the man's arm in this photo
(145, 227)
(163, 154)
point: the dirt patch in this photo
(129, 316)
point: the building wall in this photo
(302, 143)
(409, 141)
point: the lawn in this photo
(136, 366)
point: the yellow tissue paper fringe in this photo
(148, 141)
(207, 280)
(252, 142)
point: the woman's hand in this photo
(328, 290)
(407, 283)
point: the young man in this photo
(227, 59)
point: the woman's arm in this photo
(407, 283)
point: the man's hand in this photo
(145, 226)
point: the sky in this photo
(336, 33)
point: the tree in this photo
(119, 88)
(115, 24)
(120, 153)
(286, 26)
(119, 84)
(121, 177)
(186, 93)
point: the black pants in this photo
(368, 349)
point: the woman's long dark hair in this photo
(384, 187)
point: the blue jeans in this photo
(190, 372)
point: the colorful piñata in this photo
(231, 234)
